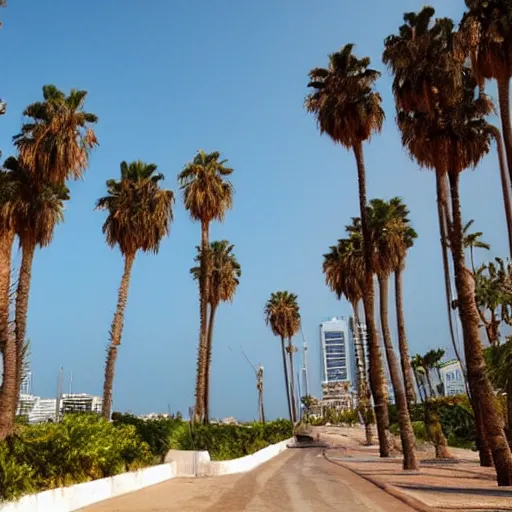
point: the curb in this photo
(410, 501)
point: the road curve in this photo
(298, 480)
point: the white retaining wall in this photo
(178, 463)
(75, 497)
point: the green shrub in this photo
(80, 448)
(156, 432)
(420, 431)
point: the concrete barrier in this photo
(188, 462)
(75, 497)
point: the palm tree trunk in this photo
(22, 298)
(115, 335)
(435, 431)
(211, 322)
(472, 260)
(429, 382)
(8, 394)
(292, 380)
(363, 391)
(286, 381)
(377, 383)
(204, 292)
(443, 215)
(404, 420)
(481, 390)
(506, 128)
(446, 228)
(505, 184)
(402, 339)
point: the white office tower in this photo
(337, 364)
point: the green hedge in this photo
(225, 442)
(78, 449)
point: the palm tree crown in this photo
(139, 211)
(206, 192)
(282, 314)
(344, 102)
(226, 271)
(57, 140)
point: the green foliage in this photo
(420, 431)
(225, 442)
(157, 433)
(78, 449)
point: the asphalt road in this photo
(298, 480)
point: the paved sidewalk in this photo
(458, 484)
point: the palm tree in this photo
(343, 268)
(473, 240)
(487, 33)
(207, 195)
(422, 366)
(34, 210)
(226, 272)
(282, 315)
(414, 56)
(450, 134)
(293, 329)
(7, 341)
(386, 229)
(56, 141)
(139, 216)
(420, 376)
(406, 241)
(54, 145)
(349, 110)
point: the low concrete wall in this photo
(187, 462)
(75, 497)
(243, 464)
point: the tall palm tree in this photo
(282, 315)
(34, 210)
(139, 215)
(487, 32)
(443, 128)
(473, 240)
(415, 55)
(226, 272)
(405, 242)
(7, 341)
(386, 229)
(207, 195)
(56, 141)
(54, 145)
(343, 268)
(349, 110)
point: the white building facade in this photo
(452, 378)
(336, 351)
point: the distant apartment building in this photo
(40, 410)
(452, 378)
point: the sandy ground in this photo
(298, 480)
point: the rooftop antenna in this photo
(305, 362)
(59, 394)
(71, 382)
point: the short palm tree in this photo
(343, 268)
(225, 278)
(486, 29)
(34, 210)
(207, 195)
(56, 141)
(139, 215)
(283, 317)
(473, 241)
(386, 230)
(348, 109)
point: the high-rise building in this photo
(336, 353)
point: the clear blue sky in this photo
(169, 77)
